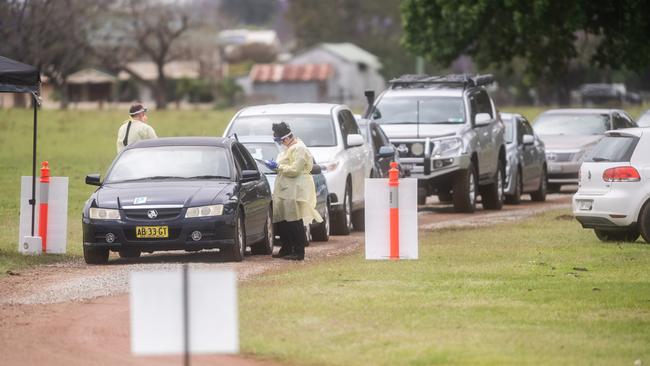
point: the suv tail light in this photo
(621, 174)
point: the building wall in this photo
(350, 80)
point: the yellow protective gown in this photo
(294, 194)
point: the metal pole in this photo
(186, 317)
(33, 200)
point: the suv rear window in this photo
(613, 149)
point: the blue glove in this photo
(271, 164)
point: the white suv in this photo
(333, 137)
(614, 187)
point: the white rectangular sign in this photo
(157, 312)
(57, 217)
(377, 216)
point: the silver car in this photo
(526, 168)
(569, 134)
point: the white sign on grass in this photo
(57, 213)
(157, 318)
(377, 213)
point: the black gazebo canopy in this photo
(17, 77)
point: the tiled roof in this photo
(273, 73)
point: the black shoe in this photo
(294, 257)
(280, 255)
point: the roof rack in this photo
(422, 80)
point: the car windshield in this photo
(169, 163)
(313, 130)
(261, 152)
(510, 130)
(431, 110)
(572, 124)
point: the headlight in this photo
(330, 165)
(104, 214)
(448, 147)
(204, 211)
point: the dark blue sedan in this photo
(186, 193)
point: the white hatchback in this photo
(614, 187)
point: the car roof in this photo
(290, 108)
(255, 139)
(582, 111)
(421, 92)
(182, 141)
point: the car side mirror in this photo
(250, 175)
(528, 139)
(482, 119)
(387, 151)
(316, 169)
(93, 179)
(355, 140)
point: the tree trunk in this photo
(64, 95)
(563, 93)
(160, 90)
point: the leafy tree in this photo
(136, 29)
(52, 35)
(542, 33)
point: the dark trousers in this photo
(292, 237)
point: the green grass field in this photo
(75, 144)
(543, 291)
(80, 142)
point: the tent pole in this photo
(33, 200)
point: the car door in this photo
(487, 149)
(357, 156)
(530, 155)
(251, 193)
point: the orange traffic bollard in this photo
(393, 183)
(44, 195)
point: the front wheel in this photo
(239, 245)
(321, 232)
(515, 197)
(265, 247)
(342, 220)
(540, 194)
(94, 255)
(464, 190)
(493, 193)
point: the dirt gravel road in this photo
(73, 314)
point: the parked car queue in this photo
(188, 206)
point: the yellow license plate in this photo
(149, 232)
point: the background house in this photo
(283, 83)
(92, 85)
(355, 70)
